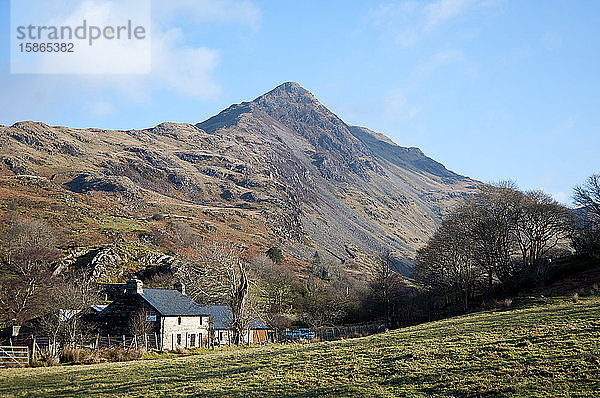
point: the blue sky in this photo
(494, 89)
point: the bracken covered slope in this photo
(281, 169)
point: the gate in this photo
(11, 356)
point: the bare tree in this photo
(52, 323)
(321, 304)
(82, 292)
(29, 253)
(276, 284)
(385, 286)
(66, 306)
(540, 226)
(183, 233)
(586, 237)
(493, 213)
(140, 322)
(239, 296)
(588, 195)
(215, 274)
(447, 262)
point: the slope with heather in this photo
(279, 170)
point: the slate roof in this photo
(172, 303)
(221, 317)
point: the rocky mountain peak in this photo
(334, 150)
(290, 92)
(290, 99)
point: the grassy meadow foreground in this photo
(549, 348)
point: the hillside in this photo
(279, 170)
(549, 348)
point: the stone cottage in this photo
(176, 320)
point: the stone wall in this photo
(184, 332)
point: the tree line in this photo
(502, 240)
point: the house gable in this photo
(118, 316)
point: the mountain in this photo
(279, 170)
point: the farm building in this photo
(176, 319)
(220, 327)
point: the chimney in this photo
(15, 331)
(180, 287)
(134, 286)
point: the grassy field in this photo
(549, 349)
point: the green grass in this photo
(122, 224)
(547, 350)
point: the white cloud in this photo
(444, 58)
(438, 60)
(398, 20)
(175, 63)
(407, 21)
(441, 11)
(182, 68)
(200, 11)
(125, 54)
(101, 108)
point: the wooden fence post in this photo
(32, 351)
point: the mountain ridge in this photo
(282, 164)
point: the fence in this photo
(344, 332)
(333, 332)
(124, 342)
(146, 341)
(11, 356)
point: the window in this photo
(150, 318)
(179, 320)
(178, 339)
(193, 340)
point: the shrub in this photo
(70, 355)
(90, 357)
(113, 354)
(47, 359)
(158, 217)
(275, 254)
(118, 355)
